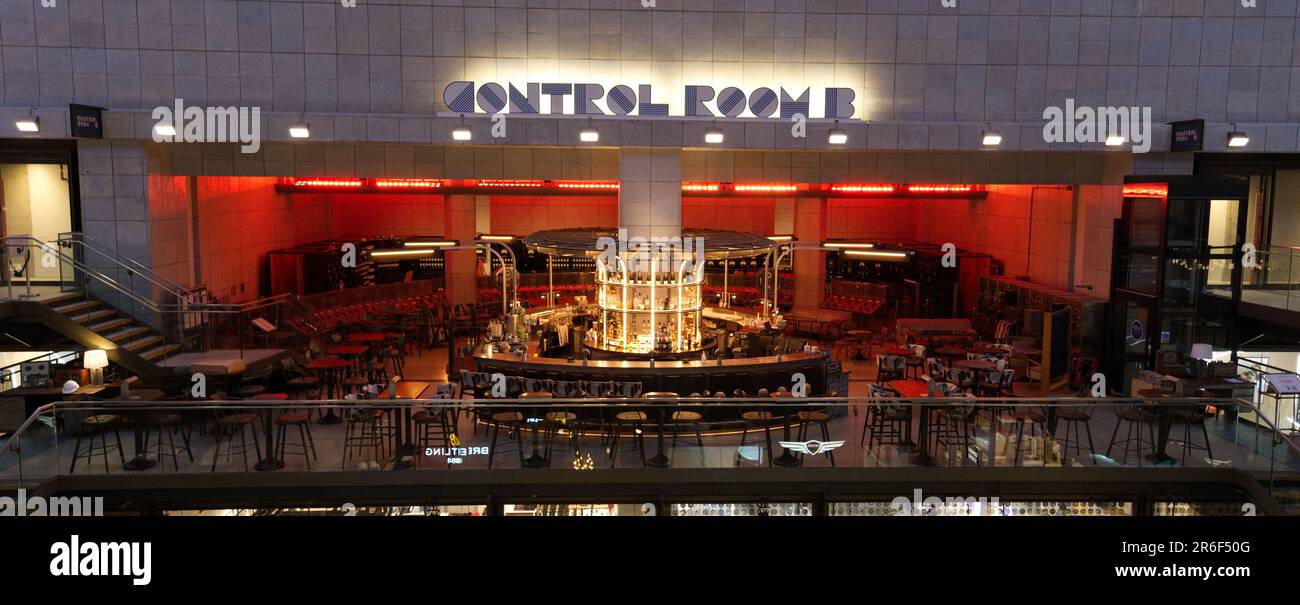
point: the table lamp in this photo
(95, 360)
(1202, 350)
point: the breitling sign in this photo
(623, 100)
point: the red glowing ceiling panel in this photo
(1157, 190)
(702, 187)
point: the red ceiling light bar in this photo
(509, 184)
(841, 188)
(940, 188)
(765, 188)
(1153, 190)
(326, 183)
(587, 185)
(408, 184)
(701, 187)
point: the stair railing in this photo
(183, 316)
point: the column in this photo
(809, 266)
(650, 192)
(461, 269)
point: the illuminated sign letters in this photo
(623, 100)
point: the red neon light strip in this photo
(326, 183)
(765, 188)
(408, 183)
(939, 188)
(1159, 190)
(710, 187)
(863, 188)
(509, 183)
(588, 185)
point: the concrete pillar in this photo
(650, 192)
(461, 270)
(809, 266)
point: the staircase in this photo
(123, 331)
(94, 324)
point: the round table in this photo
(660, 459)
(1158, 455)
(976, 365)
(331, 368)
(916, 389)
(900, 350)
(536, 459)
(951, 353)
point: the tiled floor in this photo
(1232, 443)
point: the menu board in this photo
(1285, 384)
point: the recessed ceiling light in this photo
(32, 124)
(589, 135)
(714, 137)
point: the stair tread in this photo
(125, 333)
(72, 307)
(140, 343)
(111, 324)
(93, 315)
(160, 352)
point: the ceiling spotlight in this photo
(589, 135)
(713, 137)
(164, 130)
(1115, 140)
(1238, 139)
(29, 124)
(300, 131)
(837, 136)
(991, 139)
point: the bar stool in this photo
(1071, 418)
(755, 419)
(97, 425)
(299, 418)
(1132, 419)
(166, 425)
(634, 419)
(513, 420)
(432, 425)
(887, 424)
(956, 426)
(914, 365)
(821, 417)
(362, 433)
(227, 426)
(694, 417)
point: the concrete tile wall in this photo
(926, 76)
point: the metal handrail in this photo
(68, 239)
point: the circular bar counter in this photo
(681, 377)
